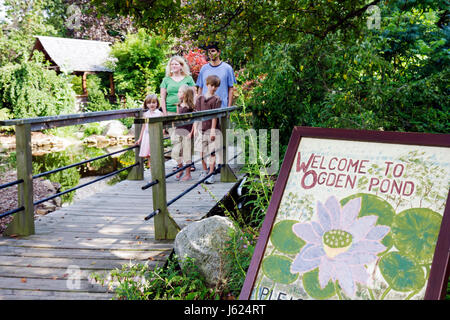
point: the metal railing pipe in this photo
(10, 184)
(10, 212)
(80, 163)
(84, 184)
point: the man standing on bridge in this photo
(221, 69)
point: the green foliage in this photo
(242, 27)
(91, 129)
(140, 64)
(97, 87)
(5, 114)
(97, 93)
(141, 282)
(23, 20)
(238, 255)
(30, 90)
(395, 78)
(68, 178)
(259, 183)
(124, 160)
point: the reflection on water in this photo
(76, 153)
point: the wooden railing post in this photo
(165, 227)
(137, 173)
(226, 173)
(23, 222)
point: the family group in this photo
(180, 94)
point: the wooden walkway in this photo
(96, 234)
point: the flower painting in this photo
(355, 222)
(339, 244)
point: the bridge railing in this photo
(165, 227)
(23, 221)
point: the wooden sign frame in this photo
(439, 273)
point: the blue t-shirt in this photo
(225, 72)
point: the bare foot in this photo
(186, 178)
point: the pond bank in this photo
(41, 189)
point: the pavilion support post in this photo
(23, 222)
(165, 227)
(137, 173)
(111, 84)
(226, 173)
(84, 83)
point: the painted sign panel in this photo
(355, 219)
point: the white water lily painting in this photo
(357, 240)
(339, 244)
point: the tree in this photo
(393, 78)
(84, 21)
(243, 25)
(22, 21)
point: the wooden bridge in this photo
(106, 230)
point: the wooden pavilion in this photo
(76, 56)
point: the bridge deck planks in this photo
(96, 235)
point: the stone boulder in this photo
(114, 128)
(204, 242)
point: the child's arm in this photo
(213, 129)
(214, 121)
(141, 134)
(194, 129)
(191, 134)
(196, 108)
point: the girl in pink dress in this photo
(151, 107)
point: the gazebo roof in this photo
(75, 55)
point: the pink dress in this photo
(145, 143)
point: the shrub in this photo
(97, 94)
(141, 282)
(68, 178)
(91, 129)
(139, 65)
(196, 59)
(29, 89)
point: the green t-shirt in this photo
(172, 88)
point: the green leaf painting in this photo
(312, 286)
(276, 267)
(284, 239)
(415, 232)
(401, 273)
(332, 255)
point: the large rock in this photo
(114, 128)
(204, 242)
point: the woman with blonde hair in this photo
(177, 74)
